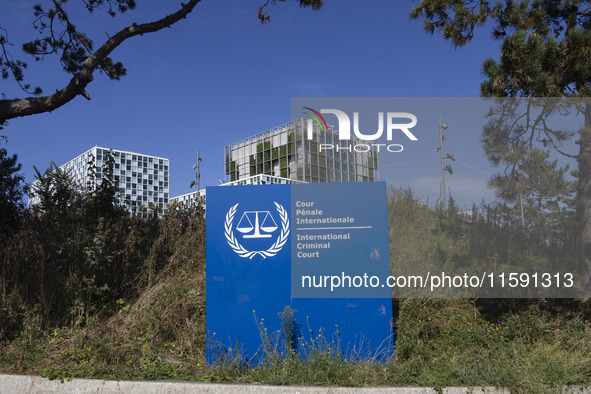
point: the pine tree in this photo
(62, 36)
(545, 52)
(11, 193)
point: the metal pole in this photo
(198, 175)
(442, 169)
(522, 215)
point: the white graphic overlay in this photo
(263, 224)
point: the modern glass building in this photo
(284, 155)
(188, 198)
(261, 179)
(141, 179)
(286, 152)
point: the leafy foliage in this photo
(74, 252)
(11, 193)
(152, 325)
(545, 52)
(488, 238)
(60, 36)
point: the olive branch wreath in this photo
(272, 251)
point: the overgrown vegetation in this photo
(87, 291)
(489, 239)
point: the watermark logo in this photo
(257, 225)
(395, 122)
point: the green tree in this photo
(11, 193)
(102, 189)
(60, 36)
(53, 191)
(545, 52)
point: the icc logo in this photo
(257, 224)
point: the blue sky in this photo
(220, 76)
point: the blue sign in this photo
(339, 243)
(275, 246)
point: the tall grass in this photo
(524, 345)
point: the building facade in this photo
(261, 179)
(286, 152)
(188, 199)
(141, 180)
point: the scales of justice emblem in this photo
(267, 225)
(257, 224)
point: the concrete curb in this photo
(18, 384)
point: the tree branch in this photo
(34, 105)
